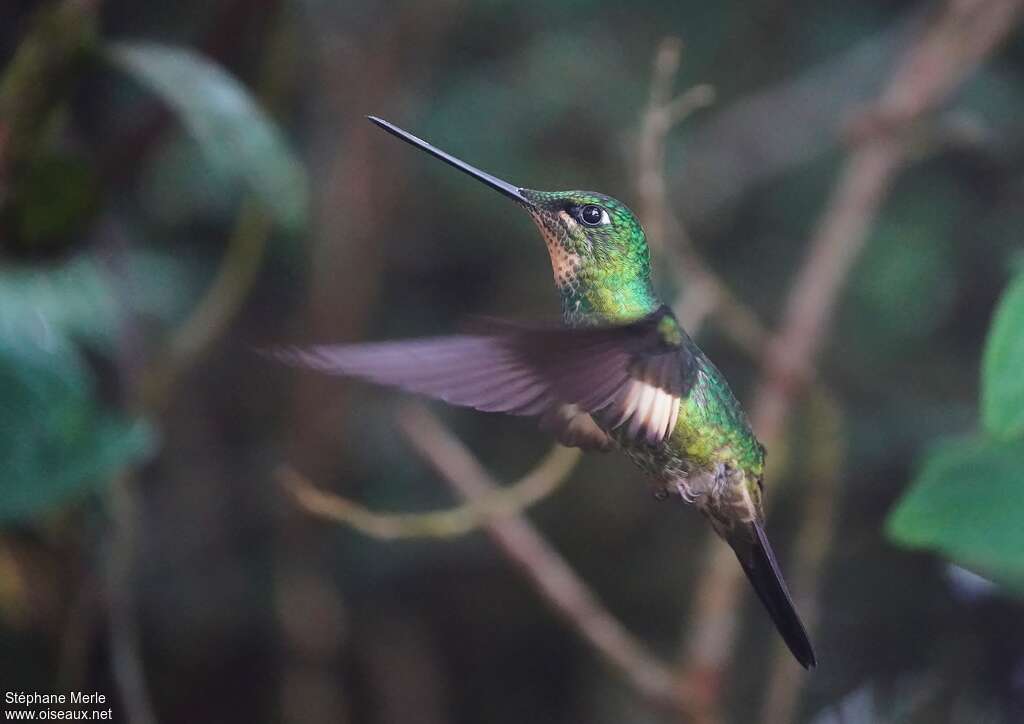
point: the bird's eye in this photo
(593, 215)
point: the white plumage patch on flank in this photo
(650, 411)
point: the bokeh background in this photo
(835, 198)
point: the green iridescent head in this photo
(589, 235)
(598, 250)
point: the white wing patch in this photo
(651, 412)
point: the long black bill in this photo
(497, 184)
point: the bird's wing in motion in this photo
(632, 375)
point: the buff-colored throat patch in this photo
(564, 263)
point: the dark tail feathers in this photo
(758, 560)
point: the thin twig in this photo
(32, 86)
(958, 39)
(703, 293)
(14, 600)
(215, 311)
(34, 82)
(826, 452)
(552, 577)
(218, 307)
(123, 626)
(535, 486)
(499, 511)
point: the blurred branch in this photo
(14, 601)
(77, 636)
(657, 121)
(552, 577)
(37, 79)
(702, 295)
(702, 292)
(345, 255)
(825, 455)
(959, 37)
(539, 483)
(34, 83)
(123, 622)
(216, 310)
(782, 126)
(211, 317)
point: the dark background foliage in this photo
(183, 183)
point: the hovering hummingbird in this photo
(621, 373)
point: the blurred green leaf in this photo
(160, 285)
(73, 299)
(1002, 371)
(83, 300)
(968, 504)
(238, 139)
(55, 441)
(904, 286)
(179, 190)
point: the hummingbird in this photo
(619, 373)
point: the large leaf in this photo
(85, 300)
(237, 138)
(1002, 372)
(55, 441)
(73, 299)
(968, 503)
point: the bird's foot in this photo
(682, 488)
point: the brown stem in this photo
(841, 233)
(37, 79)
(703, 293)
(215, 311)
(353, 205)
(123, 625)
(960, 37)
(212, 316)
(956, 41)
(514, 499)
(826, 451)
(552, 577)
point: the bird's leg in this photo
(684, 491)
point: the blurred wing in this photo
(634, 375)
(574, 428)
